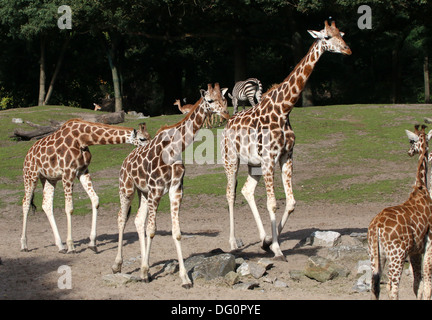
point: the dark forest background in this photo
(142, 55)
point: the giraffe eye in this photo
(210, 101)
(327, 37)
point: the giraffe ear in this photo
(342, 34)
(316, 34)
(411, 136)
(202, 91)
(224, 90)
(143, 127)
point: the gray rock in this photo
(324, 238)
(119, 279)
(231, 278)
(212, 267)
(322, 269)
(256, 270)
(347, 252)
(246, 285)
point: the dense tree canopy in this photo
(143, 54)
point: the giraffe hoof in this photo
(25, 250)
(71, 251)
(280, 258)
(187, 285)
(93, 248)
(63, 251)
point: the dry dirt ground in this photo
(204, 223)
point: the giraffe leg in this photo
(231, 174)
(175, 195)
(123, 215)
(87, 184)
(140, 221)
(248, 191)
(47, 206)
(427, 269)
(154, 197)
(27, 202)
(395, 268)
(286, 165)
(68, 190)
(268, 172)
(416, 266)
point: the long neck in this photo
(89, 133)
(288, 92)
(421, 178)
(181, 135)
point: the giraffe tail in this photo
(375, 257)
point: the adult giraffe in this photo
(157, 169)
(64, 155)
(404, 231)
(262, 136)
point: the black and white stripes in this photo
(246, 90)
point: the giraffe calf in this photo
(403, 231)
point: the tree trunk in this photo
(56, 71)
(42, 72)
(116, 79)
(426, 78)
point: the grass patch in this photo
(347, 135)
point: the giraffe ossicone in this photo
(64, 155)
(262, 136)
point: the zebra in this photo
(246, 90)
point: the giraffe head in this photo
(331, 39)
(418, 140)
(139, 137)
(215, 101)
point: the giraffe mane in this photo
(104, 125)
(195, 106)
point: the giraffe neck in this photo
(421, 178)
(182, 133)
(89, 133)
(288, 92)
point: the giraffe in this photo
(185, 109)
(97, 107)
(64, 155)
(262, 136)
(404, 231)
(157, 169)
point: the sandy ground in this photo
(35, 275)
(205, 226)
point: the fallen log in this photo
(43, 131)
(40, 132)
(111, 118)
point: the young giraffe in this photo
(262, 136)
(64, 155)
(405, 231)
(157, 169)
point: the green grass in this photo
(358, 135)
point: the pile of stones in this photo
(226, 269)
